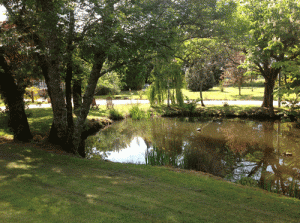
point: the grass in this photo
(37, 186)
(229, 93)
(133, 94)
(40, 119)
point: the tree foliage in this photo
(233, 72)
(271, 38)
(168, 79)
(204, 59)
(110, 32)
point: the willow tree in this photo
(168, 80)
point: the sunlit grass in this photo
(229, 93)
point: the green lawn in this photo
(229, 93)
(38, 186)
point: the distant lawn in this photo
(39, 186)
(229, 93)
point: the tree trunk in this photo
(32, 96)
(77, 98)
(14, 99)
(69, 75)
(168, 97)
(268, 95)
(78, 140)
(70, 123)
(201, 98)
(58, 133)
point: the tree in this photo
(233, 72)
(17, 71)
(166, 76)
(204, 59)
(271, 38)
(13, 97)
(114, 33)
(135, 75)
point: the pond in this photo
(264, 154)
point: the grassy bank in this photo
(38, 186)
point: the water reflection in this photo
(266, 152)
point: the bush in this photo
(247, 181)
(191, 105)
(115, 114)
(32, 93)
(136, 113)
(109, 83)
(194, 85)
(43, 94)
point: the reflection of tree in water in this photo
(207, 155)
(275, 172)
(114, 138)
(166, 136)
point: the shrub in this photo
(115, 114)
(43, 94)
(136, 113)
(109, 83)
(140, 93)
(32, 93)
(193, 83)
(247, 181)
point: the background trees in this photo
(233, 73)
(271, 38)
(58, 37)
(204, 59)
(109, 34)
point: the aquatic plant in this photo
(160, 157)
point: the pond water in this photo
(249, 152)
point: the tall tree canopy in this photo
(270, 38)
(109, 32)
